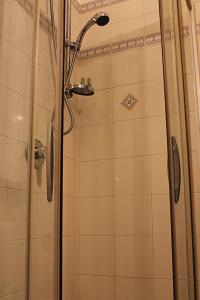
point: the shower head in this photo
(101, 19)
(80, 89)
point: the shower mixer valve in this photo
(84, 88)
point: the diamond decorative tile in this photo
(129, 102)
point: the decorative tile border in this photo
(92, 5)
(152, 39)
(120, 46)
(89, 6)
(94, 52)
(138, 42)
(45, 22)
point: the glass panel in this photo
(190, 46)
(16, 54)
(175, 111)
(116, 216)
(43, 218)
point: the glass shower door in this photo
(17, 32)
(178, 166)
(46, 148)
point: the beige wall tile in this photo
(181, 258)
(70, 173)
(96, 142)
(161, 215)
(71, 143)
(96, 109)
(153, 63)
(96, 178)
(158, 138)
(15, 266)
(97, 255)
(162, 249)
(100, 79)
(132, 176)
(127, 28)
(133, 215)
(155, 96)
(17, 161)
(3, 268)
(103, 33)
(97, 216)
(42, 261)
(163, 289)
(130, 9)
(70, 288)
(134, 288)
(16, 215)
(4, 161)
(70, 256)
(152, 23)
(150, 6)
(42, 292)
(15, 296)
(70, 216)
(159, 174)
(195, 167)
(13, 59)
(128, 67)
(42, 216)
(14, 22)
(3, 213)
(131, 138)
(14, 115)
(96, 287)
(134, 257)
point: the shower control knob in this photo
(89, 82)
(82, 82)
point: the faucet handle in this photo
(89, 82)
(82, 82)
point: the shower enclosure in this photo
(99, 198)
(30, 120)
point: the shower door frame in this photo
(185, 152)
(58, 172)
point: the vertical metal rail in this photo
(67, 36)
(58, 173)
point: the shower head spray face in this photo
(101, 19)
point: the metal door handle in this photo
(50, 161)
(176, 170)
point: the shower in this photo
(83, 88)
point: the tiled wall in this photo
(16, 41)
(121, 213)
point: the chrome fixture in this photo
(50, 159)
(83, 89)
(101, 19)
(40, 153)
